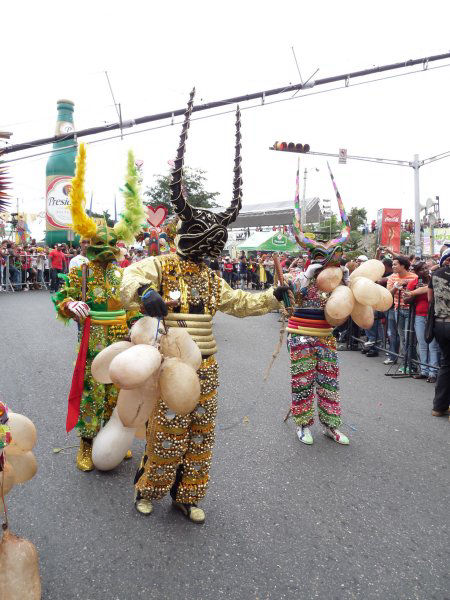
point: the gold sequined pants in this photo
(177, 456)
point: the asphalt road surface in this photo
(284, 521)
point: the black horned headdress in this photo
(201, 232)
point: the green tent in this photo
(269, 241)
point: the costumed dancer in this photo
(178, 452)
(311, 344)
(91, 296)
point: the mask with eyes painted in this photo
(328, 257)
(103, 246)
(103, 239)
(200, 232)
(325, 253)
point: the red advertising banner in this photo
(391, 227)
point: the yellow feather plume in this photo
(81, 222)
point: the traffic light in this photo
(291, 147)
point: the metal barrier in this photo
(407, 339)
(14, 278)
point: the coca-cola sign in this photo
(391, 228)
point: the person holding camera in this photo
(397, 319)
(439, 291)
(416, 292)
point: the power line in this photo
(431, 159)
(234, 100)
(67, 149)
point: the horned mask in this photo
(201, 232)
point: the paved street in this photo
(284, 521)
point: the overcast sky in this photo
(155, 52)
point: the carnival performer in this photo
(181, 288)
(91, 296)
(311, 344)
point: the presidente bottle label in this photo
(58, 212)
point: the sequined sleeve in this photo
(69, 292)
(245, 304)
(144, 272)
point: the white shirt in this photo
(77, 261)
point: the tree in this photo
(355, 241)
(194, 181)
(327, 230)
(357, 217)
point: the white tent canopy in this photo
(270, 213)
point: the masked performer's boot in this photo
(84, 456)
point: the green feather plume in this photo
(133, 217)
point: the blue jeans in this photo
(428, 353)
(372, 335)
(397, 325)
(15, 276)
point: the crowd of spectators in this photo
(400, 332)
(252, 272)
(32, 266)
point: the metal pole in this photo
(303, 213)
(432, 239)
(416, 165)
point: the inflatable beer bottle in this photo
(59, 172)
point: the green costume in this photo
(109, 322)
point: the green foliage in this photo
(194, 181)
(327, 230)
(356, 246)
(357, 217)
(355, 241)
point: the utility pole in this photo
(303, 212)
(416, 164)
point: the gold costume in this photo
(179, 449)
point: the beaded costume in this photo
(187, 441)
(314, 361)
(107, 322)
(311, 344)
(178, 452)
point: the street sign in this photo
(343, 156)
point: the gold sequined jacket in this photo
(201, 292)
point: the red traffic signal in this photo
(291, 147)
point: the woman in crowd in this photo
(417, 292)
(262, 275)
(228, 271)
